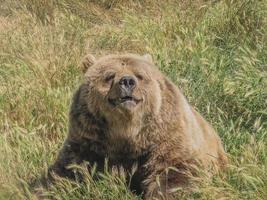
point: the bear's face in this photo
(123, 84)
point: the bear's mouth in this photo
(124, 100)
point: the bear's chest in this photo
(123, 152)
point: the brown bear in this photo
(128, 112)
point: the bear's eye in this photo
(109, 78)
(140, 77)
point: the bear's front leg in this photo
(69, 154)
(165, 175)
(75, 152)
(164, 186)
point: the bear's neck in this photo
(122, 136)
(124, 127)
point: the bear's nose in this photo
(127, 82)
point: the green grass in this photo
(215, 51)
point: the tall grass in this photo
(215, 51)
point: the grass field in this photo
(215, 51)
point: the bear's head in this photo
(122, 85)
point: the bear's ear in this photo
(148, 57)
(87, 62)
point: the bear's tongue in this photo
(126, 98)
(123, 100)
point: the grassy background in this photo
(215, 51)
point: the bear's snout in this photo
(127, 83)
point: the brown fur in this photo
(161, 131)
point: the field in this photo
(215, 51)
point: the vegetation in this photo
(215, 51)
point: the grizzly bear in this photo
(127, 112)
